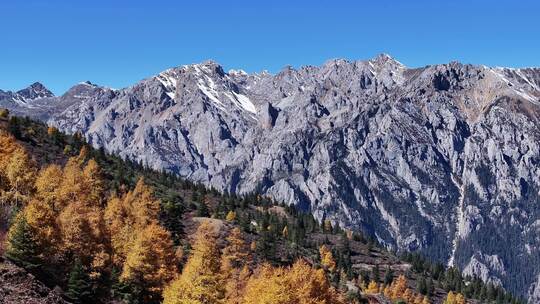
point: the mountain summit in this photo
(443, 159)
(35, 91)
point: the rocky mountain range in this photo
(442, 159)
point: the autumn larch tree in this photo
(327, 259)
(200, 281)
(234, 266)
(127, 216)
(151, 262)
(299, 284)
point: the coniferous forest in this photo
(107, 230)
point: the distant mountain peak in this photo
(35, 91)
(385, 59)
(88, 82)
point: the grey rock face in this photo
(443, 159)
(35, 91)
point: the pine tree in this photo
(388, 276)
(375, 273)
(430, 287)
(202, 210)
(421, 286)
(22, 247)
(79, 288)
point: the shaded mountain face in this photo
(442, 159)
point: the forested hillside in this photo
(107, 230)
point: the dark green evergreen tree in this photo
(202, 210)
(421, 286)
(430, 287)
(22, 247)
(79, 288)
(375, 274)
(388, 276)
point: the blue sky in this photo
(118, 42)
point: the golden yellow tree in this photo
(19, 172)
(387, 292)
(52, 131)
(236, 253)
(120, 226)
(81, 218)
(327, 259)
(408, 296)
(310, 285)
(200, 281)
(450, 298)
(231, 216)
(4, 113)
(151, 262)
(460, 299)
(127, 216)
(47, 183)
(144, 206)
(285, 232)
(78, 235)
(455, 298)
(43, 210)
(71, 188)
(299, 284)
(8, 144)
(93, 183)
(398, 287)
(268, 286)
(42, 219)
(234, 262)
(327, 225)
(425, 300)
(372, 287)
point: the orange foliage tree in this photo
(200, 281)
(297, 284)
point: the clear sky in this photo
(118, 42)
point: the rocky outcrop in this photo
(19, 287)
(443, 159)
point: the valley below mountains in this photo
(442, 159)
